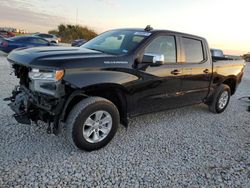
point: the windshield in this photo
(116, 42)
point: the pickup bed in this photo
(118, 75)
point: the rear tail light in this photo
(5, 44)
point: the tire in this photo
(83, 124)
(218, 105)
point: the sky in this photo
(224, 23)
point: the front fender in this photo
(95, 77)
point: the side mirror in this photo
(153, 59)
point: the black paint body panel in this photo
(146, 88)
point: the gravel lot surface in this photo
(187, 147)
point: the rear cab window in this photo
(193, 50)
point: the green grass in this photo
(20, 34)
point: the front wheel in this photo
(92, 123)
(220, 99)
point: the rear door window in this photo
(48, 36)
(193, 50)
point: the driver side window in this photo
(163, 45)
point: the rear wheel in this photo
(220, 99)
(92, 123)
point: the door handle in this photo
(176, 72)
(206, 71)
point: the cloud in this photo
(21, 13)
(112, 3)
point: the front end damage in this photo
(38, 96)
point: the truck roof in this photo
(161, 31)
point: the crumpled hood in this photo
(55, 57)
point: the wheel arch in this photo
(113, 92)
(232, 83)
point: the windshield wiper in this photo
(97, 50)
(102, 51)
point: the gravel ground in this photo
(187, 147)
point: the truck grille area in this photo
(22, 73)
(35, 100)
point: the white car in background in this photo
(50, 38)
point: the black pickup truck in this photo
(118, 75)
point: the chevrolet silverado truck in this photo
(118, 75)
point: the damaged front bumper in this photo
(30, 106)
(40, 95)
(20, 102)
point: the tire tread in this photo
(76, 111)
(220, 89)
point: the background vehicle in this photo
(78, 42)
(6, 34)
(48, 37)
(9, 44)
(218, 54)
(116, 76)
(1, 38)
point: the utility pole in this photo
(76, 15)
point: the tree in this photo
(68, 32)
(53, 32)
(247, 57)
